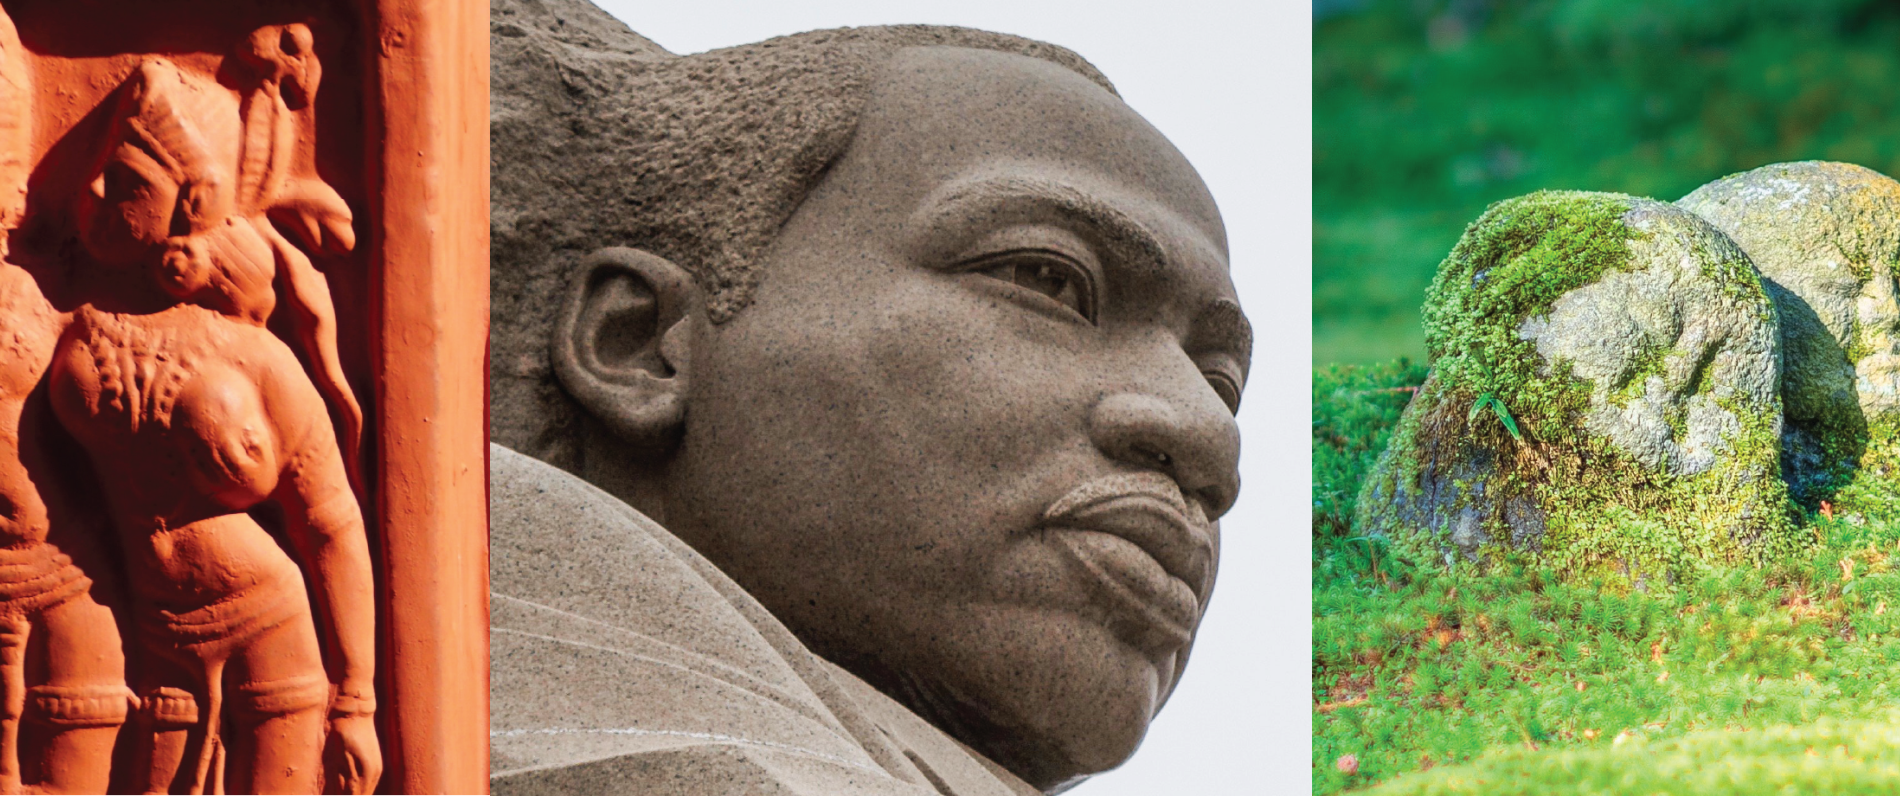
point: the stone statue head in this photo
(920, 334)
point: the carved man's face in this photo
(969, 436)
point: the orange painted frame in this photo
(429, 209)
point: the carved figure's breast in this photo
(182, 390)
(183, 387)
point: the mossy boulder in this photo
(1826, 238)
(1603, 391)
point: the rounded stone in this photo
(1826, 238)
(1603, 391)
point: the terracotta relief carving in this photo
(187, 602)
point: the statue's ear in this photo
(621, 344)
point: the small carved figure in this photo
(199, 421)
(77, 697)
(78, 694)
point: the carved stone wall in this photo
(197, 275)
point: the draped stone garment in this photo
(624, 662)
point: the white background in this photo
(1229, 82)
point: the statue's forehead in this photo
(935, 113)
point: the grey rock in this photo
(1669, 306)
(1826, 237)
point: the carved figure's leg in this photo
(276, 731)
(13, 635)
(168, 713)
(83, 702)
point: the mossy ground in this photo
(1529, 671)
(1829, 757)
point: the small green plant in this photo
(1497, 406)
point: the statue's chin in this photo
(1033, 734)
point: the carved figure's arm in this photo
(325, 524)
(323, 521)
(306, 294)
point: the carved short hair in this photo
(601, 138)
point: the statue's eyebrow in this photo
(1224, 327)
(991, 199)
(1007, 196)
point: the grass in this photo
(1427, 111)
(1829, 757)
(1436, 677)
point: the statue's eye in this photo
(1225, 385)
(1047, 274)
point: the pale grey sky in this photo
(1229, 82)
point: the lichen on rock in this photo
(1826, 238)
(1603, 391)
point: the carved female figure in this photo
(199, 421)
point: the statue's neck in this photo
(610, 464)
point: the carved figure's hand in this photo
(316, 214)
(352, 757)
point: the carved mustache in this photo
(1147, 509)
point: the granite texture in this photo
(1717, 353)
(622, 661)
(918, 335)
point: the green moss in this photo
(1418, 663)
(1611, 515)
(1512, 263)
(1858, 347)
(1844, 443)
(1874, 492)
(1648, 363)
(1354, 410)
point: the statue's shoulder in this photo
(619, 658)
(573, 565)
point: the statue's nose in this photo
(1191, 437)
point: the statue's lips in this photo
(1148, 550)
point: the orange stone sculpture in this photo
(243, 263)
